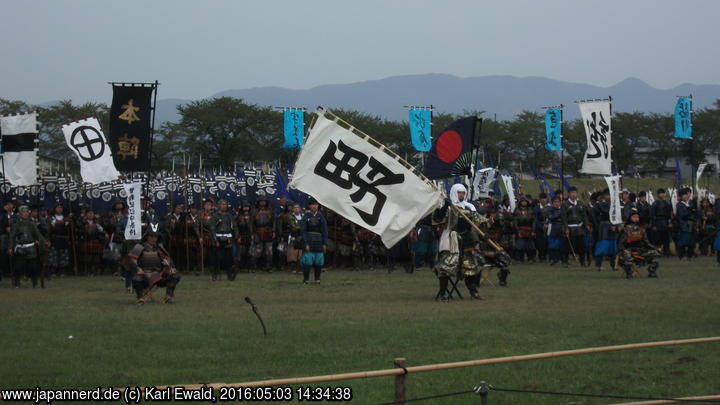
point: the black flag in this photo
(130, 127)
(451, 154)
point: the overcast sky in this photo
(59, 49)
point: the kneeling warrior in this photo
(152, 266)
(461, 254)
(636, 248)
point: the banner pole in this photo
(202, 213)
(152, 136)
(187, 214)
(562, 151)
(4, 180)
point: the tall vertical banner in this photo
(482, 183)
(130, 127)
(510, 190)
(19, 149)
(683, 118)
(133, 229)
(698, 175)
(673, 199)
(553, 129)
(421, 128)
(596, 120)
(359, 181)
(613, 183)
(86, 139)
(294, 128)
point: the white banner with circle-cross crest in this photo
(86, 139)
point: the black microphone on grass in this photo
(255, 310)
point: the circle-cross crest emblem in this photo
(88, 143)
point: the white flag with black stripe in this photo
(19, 149)
(86, 139)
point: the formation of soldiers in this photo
(223, 240)
(565, 229)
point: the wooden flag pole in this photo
(202, 211)
(410, 167)
(187, 213)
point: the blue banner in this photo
(294, 129)
(683, 121)
(420, 129)
(553, 129)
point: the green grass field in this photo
(358, 321)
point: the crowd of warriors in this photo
(216, 239)
(565, 229)
(39, 244)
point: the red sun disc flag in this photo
(451, 154)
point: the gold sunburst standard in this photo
(129, 114)
(128, 147)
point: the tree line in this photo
(227, 130)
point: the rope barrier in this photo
(610, 396)
(451, 394)
(708, 399)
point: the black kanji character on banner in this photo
(599, 131)
(421, 124)
(553, 127)
(684, 112)
(345, 173)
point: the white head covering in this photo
(454, 197)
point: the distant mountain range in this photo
(500, 96)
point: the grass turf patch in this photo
(358, 321)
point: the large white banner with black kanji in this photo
(613, 183)
(350, 176)
(596, 120)
(86, 139)
(19, 149)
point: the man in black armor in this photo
(263, 235)
(524, 224)
(223, 226)
(660, 215)
(627, 204)
(152, 266)
(175, 225)
(575, 224)
(643, 209)
(24, 240)
(93, 242)
(244, 235)
(6, 222)
(59, 233)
